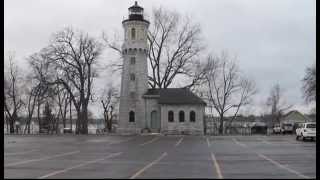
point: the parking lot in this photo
(156, 156)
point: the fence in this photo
(214, 130)
(211, 127)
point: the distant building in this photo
(292, 119)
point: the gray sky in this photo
(274, 40)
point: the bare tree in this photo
(32, 92)
(309, 84)
(109, 101)
(73, 56)
(12, 96)
(226, 89)
(247, 90)
(174, 49)
(63, 102)
(40, 72)
(277, 103)
(49, 118)
(174, 44)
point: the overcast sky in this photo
(274, 40)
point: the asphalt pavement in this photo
(157, 156)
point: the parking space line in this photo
(177, 144)
(208, 142)
(18, 153)
(41, 159)
(216, 165)
(283, 167)
(122, 141)
(79, 165)
(264, 141)
(97, 140)
(148, 166)
(238, 143)
(148, 142)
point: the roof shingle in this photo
(175, 96)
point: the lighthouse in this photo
(134, 80)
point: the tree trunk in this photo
(64, 123)
(57, 125)
(29, 126)
(78, 122)
(110, 124)
(64, 116)
(7, 123)
(38, 116)
(70, 116)
(221, 124)
(107, 123)
(11, 126)
(84, 121)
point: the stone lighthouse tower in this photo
(134, 80)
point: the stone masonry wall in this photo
(132, 90)
(185, 127)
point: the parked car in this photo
(277, 130)
(287, 128)
(306, 130)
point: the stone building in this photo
(172, 110)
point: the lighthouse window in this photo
(132, 77)
(133, 33)
(131, 116)
(133, 60)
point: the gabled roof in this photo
(295, 116)
(175, 96)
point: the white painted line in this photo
(122, 141)
(18, 153)
(98, 140)
(79, 165)
(239, 143)
(148, 166)
(148, 142)
(208, 142)
(41, 159)
(283, 167)
(177, 144)
(216, 165)
(264, 141)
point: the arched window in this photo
(131, 116)
(133, 33)
(192, 116)
(170, 116)
(181, 116)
